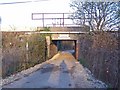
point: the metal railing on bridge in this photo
(55, 19)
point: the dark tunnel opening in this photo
(66, 46)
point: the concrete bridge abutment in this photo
(77, 47)
(64, 34)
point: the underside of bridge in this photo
(66, 46)
(64, 39)
(70, 46)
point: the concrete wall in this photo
(52, 49)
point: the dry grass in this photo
(15, 56)
(100, 55)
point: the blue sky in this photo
(19, 15)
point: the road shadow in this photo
(47, 68)
(44, 78)
(65, 79)
(36, 79)
(41, 79)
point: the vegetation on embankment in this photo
(99, 53)
(17, 55)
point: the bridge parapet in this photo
(69, 29)
(82, 28)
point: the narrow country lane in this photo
(61, 71)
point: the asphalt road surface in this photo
(61, 71)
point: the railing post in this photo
(63, 19)
(43, 18)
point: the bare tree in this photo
(99, 15)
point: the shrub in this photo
(15, 55)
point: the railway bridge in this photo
(62, 31)
(60, 36)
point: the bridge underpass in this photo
(66, 46)
(64, 39)
(62, 29)
(58, 36)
